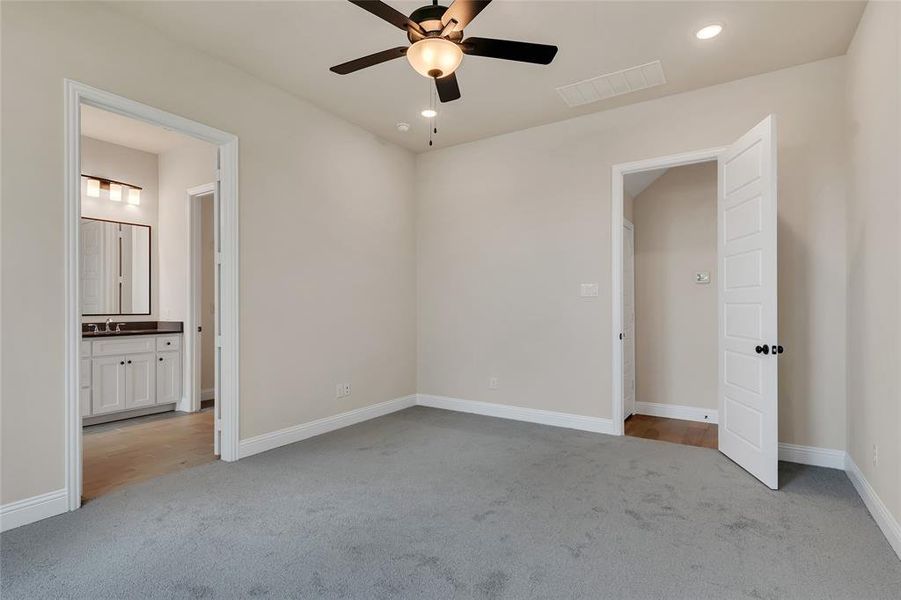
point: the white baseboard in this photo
(517, 413)
(29, 510)
(289, 435)
(674, 411)
(209, 394)
(881, 514)
(811, 455)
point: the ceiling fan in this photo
(437, 45)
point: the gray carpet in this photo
(432, 504)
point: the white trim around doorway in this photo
(77, 94)
(192, 396)
(618, 172)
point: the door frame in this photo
(76, 94)
(627, 224)
(618, 172)
(191, 398)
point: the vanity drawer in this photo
(131, 345)
(168, 342)
(84, 379)
(85, 348)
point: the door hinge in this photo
(218, 341)
(218, 258)
(218, 424)
(218, 174)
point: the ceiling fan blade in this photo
(385, 12)
(509, 50)
(463, 11)
(448, 89)
(368, 61)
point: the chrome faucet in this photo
(109, 320)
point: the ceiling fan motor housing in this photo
(429, 18)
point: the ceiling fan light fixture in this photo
(434, 57)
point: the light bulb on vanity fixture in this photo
(115, 192)
(134, 196)
(93, 189)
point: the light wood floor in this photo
(689, 433)
(126, 452)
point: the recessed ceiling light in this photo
(709, 32)
(428, 113)
(403, 127)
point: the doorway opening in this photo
(136, 179)
(669, 304)
(745, 278)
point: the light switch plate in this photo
(589, 290)
(702, 277)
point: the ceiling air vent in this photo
(613, 84)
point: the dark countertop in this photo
(133, 328)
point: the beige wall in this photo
(502, 252)
(181, 169)
(327, 248)
(675, 318)
(120, 163)
(874, 251)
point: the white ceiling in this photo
(636, 183)
(116, 129)
(293, 44)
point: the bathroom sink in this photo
(133, 328)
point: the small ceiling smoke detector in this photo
(403, 127)
(428, 113)
(708, 32)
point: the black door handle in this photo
(762, 349)
(780, 349)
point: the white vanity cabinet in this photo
(128, 373)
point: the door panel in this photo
(217, 314)
(140, 380)
(746, 248)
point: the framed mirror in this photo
(115, 268)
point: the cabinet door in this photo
(84, 402)
(107, 384)
(168, 377)
(140, 380)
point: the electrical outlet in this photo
(339, 390)
(492, 383)
(347, 389)
(875, 455)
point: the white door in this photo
(746, 251)
(217, 316)
(168, 377)
(628, 319)
(107, 384)
(140, 380)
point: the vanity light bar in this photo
(115, 189)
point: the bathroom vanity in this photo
(130, 369)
